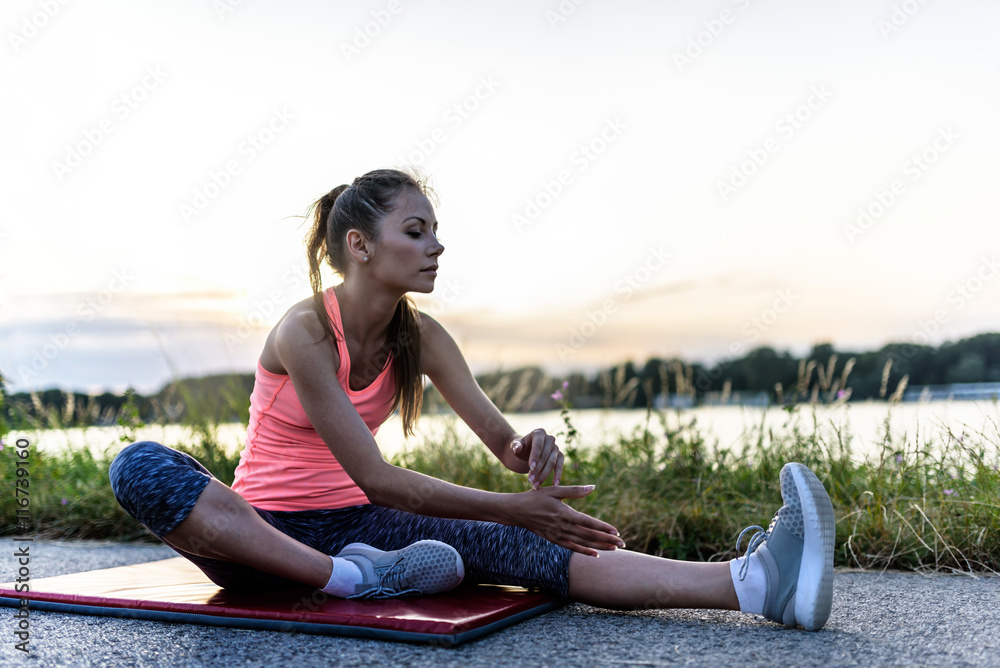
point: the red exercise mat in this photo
(175, 590)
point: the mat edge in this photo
(338, 630)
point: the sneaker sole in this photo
(814, 591)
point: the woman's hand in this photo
(542, 454)
(543, 512)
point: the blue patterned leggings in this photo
(159, 486)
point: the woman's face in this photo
(406, 254)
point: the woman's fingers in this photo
(543, 455)
(585, 543)
(568, 527)
(576, 542)
(579, 548)
(543, 463)
(581, 519)
(540, 448)
(601, 538)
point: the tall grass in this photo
(924, 503)
(928, 501)
(70, 492)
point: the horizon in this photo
(615, 181)
(554, 372)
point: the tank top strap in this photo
(333, 311)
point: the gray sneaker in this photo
(425, 567)
(797, 552)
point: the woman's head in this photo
(361, 206)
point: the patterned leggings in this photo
(159, 486)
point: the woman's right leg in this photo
(222, 525)
(183, 505)
(239, 546)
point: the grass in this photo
(70, 492)
(926, 502)
(926, 505)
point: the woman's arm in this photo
(534, 453)
(311, 363)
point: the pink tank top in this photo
(285, 464)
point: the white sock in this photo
(343, 579)
(751, 590)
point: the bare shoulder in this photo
(432, 334)
(429, 327)
(300, 321)
(297, 332)
(438, 350)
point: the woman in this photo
(312, 483)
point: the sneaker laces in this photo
(756, 540)
(390, 583)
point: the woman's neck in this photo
(365, 314)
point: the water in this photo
(727, 424)
(99, 439)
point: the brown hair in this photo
(361, 206)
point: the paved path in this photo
(889, 619)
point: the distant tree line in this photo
(195, 401)
(824, 375)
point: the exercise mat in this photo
(174, 590)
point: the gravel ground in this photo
(888, 619)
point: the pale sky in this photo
(617, 181)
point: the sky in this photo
(614, 180)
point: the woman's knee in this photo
(156, 484)
(125, 467)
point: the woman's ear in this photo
(358, 246)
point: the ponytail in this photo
(316, 252)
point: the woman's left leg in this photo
(630, 580)
(500, 554)
(786, 576)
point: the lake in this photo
(728, 424)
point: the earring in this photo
(364, 259)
